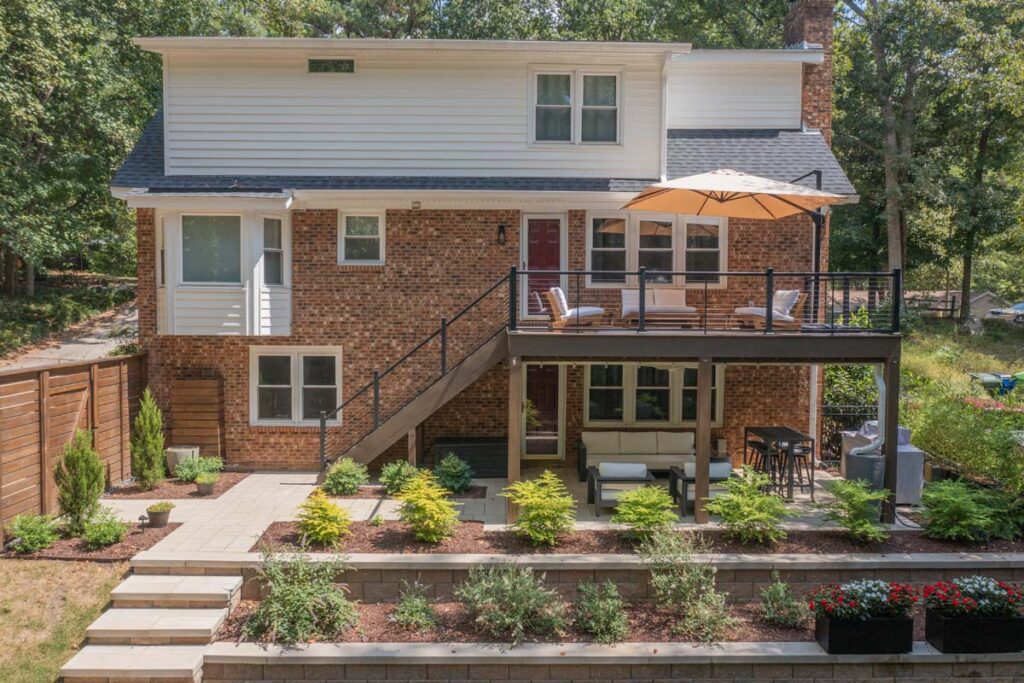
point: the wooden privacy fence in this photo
(40, 410)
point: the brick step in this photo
(153, 626)
(181, 591)
(166, 664)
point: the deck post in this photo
(891, 434)
(769, 298)
(515, 428)
(641, 324)
(412, 445)
(702, 483)
(513, 314)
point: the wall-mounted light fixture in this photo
(501, 233)
(415, 206)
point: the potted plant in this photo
(205, 481)
(864, 617)
(159, 513)
(974, 614)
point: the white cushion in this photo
(623, 470)
(670, 301)
(675, 443)
(759, 311)
(638, 443)
(559, 295)
(601, 443)
(784, 300)
(584, 312)
(718, 470)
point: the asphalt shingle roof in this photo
(781, 155)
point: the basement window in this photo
(331, 66)
(292, 385)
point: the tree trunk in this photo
(10, 271)
(30, 279)
(970, 241)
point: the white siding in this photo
(398, 114)
(209, 310)
(275, 311)
(735, 95)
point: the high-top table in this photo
(773, 438)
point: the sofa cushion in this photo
(601, 443)
(784, 300)
(638, 443)
(719, 470)
(623, 470)
(675, 443)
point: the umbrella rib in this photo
(759, 203)
(659, 191)
(700, 211)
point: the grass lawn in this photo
(933, 349)
(63, 300)
(45, 607)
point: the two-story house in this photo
(330, 226)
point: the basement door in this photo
(543, 411)
(543, 248)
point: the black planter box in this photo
(973, 634)
(864, 637)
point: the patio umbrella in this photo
(731, 194)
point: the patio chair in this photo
(609, 480)
(563, 316)
(787, 311)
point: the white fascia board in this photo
(460, 199)
(787, 56)
(137, 198)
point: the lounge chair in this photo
(787, 311)
(608, 481)
(659, 304)
(563, 316)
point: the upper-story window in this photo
(608, 249)
(211, 249)
(273, 251)
(703, 248)
(361, 238)
(576, 107)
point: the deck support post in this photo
(702, 483)
(515, 428)
(413, 445)
(891, 434)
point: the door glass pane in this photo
(211, 248)
(599, 91)
(275, 370)
(599, 125)
(541, 410)
(318, 370)
(275, 403)
(554, 124)
(554, 89)
(316, 400)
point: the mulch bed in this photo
(173, 489)
(375, 491)
(646, 624)
(137, 539)
(470, 537)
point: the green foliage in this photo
(304, 602)
(454, 473)
(955, 511)
(80, 477)
(414, 610)
(510, 601)
(779, 606)
(748, 513)
(684, 586)
(191, 467)
(546, 508)
(426, 508)
(344, 477)
(1006, 511)
(206, 478)
(104, 529)
(376, 520)
(855, 507)
(395, 475)
(147, 444)
(31, 533)
(161, 506)
(321, 521)
(599, 611)
(645, 510)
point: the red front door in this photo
(543, 244)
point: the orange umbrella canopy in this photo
(731, 194)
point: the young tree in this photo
(148, 444)
(80, 478)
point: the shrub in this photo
(344, 477)
(191, 467)
(973, 596)
(954, 511)
(645, 510)
(31, 533)
(303, 601)
(147, 444)
(413, 609)
(1006, 513)
(748, 513)
(779, 606)
(454, 473)
(599, 612)
(855, 508)
(162, 506)
(205, 478)
(321, 521)
(104, 529)
(685, 587)
(79, 477)
(546, 509)
(866, 599)
(511, 602)
(426, 508)
(395, 475)
(376, 520)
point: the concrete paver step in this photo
(167, 663)
(147, 626)
(155, 591)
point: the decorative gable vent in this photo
(332, 66)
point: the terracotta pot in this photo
(205, 489)
(158, 520)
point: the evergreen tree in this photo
(148, 444)
(79, 477)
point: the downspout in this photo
(876, 444)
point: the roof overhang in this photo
(792, 55)
(141, 197)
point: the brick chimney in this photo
(811, 22)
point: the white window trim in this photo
(296, 354)
(286, 249)
(241, 250)
(591, 283)
(381, 232)
(675, 397)
(576, 75)
(723, 248)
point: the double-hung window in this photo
(703, 249)
(293, 385)
(599, 111)
(361, 238)
(605, 399)
(648, 395)
(273, 251)
(576, 107)
(654, 249)
(653, 394)
(608, 249)
(689, 394)
(553, 122)
(211, 249)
